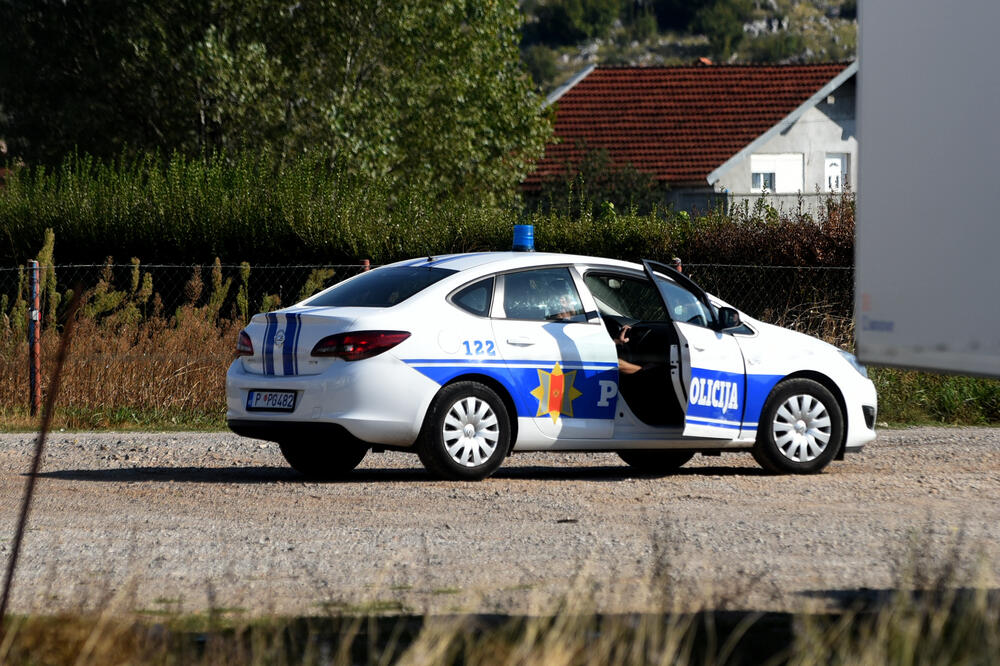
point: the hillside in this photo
(561, 37)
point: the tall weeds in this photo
(185, 210)
(134, 364)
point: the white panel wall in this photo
(786, 167)
(928, 244)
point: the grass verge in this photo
(905, 627)
(909, 397)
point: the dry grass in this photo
(820, 320)
(956, 625)
(158, 372)
(942, 610)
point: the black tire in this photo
(797, 417)
(324, 460)
(475, 453)
(656, 463)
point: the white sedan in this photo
(468, 358)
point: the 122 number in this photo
(479, 348)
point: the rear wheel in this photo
(466, 434)
(323, 460)
(801, 428)
(656, 463)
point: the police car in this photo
(468, 358)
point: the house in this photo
(713, 131)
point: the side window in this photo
(475, 298)
(634, 298)
(543, 294)
(682, 305)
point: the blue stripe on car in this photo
(288, 347)
(759, 387)
(710, 422)
(295, 346)
(269, 331)
(521, 380)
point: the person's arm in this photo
(627, 368)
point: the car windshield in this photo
(381, 288)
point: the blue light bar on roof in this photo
(524, 238)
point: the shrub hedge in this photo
(183, 210)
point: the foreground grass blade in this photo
(36, 462)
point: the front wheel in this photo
(656, 463)
(329, 460)
(466, 433)
(801, 428)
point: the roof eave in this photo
(566, 87)
(785, 122)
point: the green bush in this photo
(186, 211)
(907, 396)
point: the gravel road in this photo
(188, 521)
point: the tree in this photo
(674, 15)
(780, 46)
(585, 187)
(541, 63)
(722, 22)
(561, 22)
(426, 94)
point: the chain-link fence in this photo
(234, 290)
(761, 291)
(815, 300)
(777, 294)
(156, 340)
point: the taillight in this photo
(358, 345)
(244, 347)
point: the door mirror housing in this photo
(729, 318)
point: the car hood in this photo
(793, 342)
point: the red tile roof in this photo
(677, 123)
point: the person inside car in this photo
(624, 367)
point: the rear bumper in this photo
(378, 400)
(291, 431)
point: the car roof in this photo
(471, 265)
(501, 261)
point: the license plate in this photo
(271, 401)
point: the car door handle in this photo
(697, 348)
(520, 341)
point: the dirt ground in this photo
(165, 522)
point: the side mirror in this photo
(729, 318)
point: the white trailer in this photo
(928, 241)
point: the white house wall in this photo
(829, 127)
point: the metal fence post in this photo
(34, 339)
(365, 265)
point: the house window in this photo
(779, 173)
(836, 170)
(762, 181)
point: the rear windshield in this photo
(380, 288)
